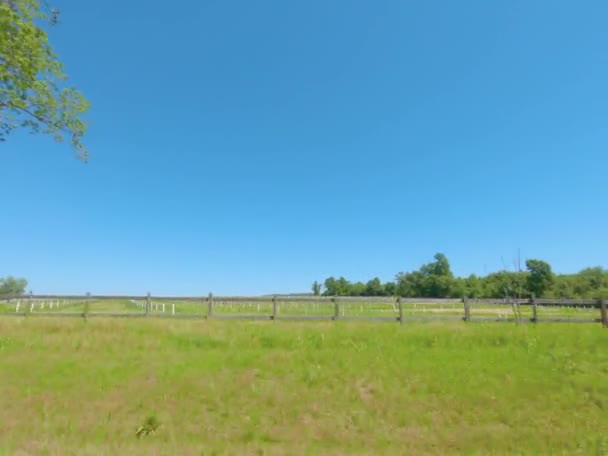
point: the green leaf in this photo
(33, 94)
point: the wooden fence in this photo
(299, 307)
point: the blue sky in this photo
(249, 147)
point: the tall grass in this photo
(199, 387)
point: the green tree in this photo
(474, 286)
(337, 287)
(11, 286)
(343, 287)
(459, 288)
(439, 267)
(589, 281)
(503, 284)
(374, 288)
(409, 284)
(316, 288)
(438, 277)
(563, 287)
(331, 287)
(540, 277)
(390, 288)
(33, 90)
(356, 289)
(435, 286)
(433, 280)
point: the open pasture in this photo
(379, 309)
(174, 386)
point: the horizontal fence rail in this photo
(308, 308)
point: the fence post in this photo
(87, 303)
(604, 313)
(210, 305)
(467, 309)
(400, 304)
(148, 305)
(534, 308)
(336, 308)
(274, 308)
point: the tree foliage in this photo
(11, 286)
(316, 288)
(540, 277)
(436, 280)
(33, 90)
(433, 279)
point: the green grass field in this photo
(71, 386)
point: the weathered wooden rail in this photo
(428, 309)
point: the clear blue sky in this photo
(248, 147)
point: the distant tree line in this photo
(436, 280)
(11, 286)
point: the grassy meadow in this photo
(161, 386)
